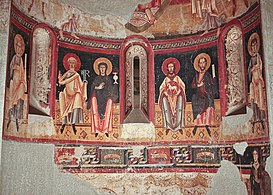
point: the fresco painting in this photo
(185, 87)
(74, 95)
(172, 98)
(17, 83)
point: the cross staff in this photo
(84, 74)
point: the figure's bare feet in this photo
(152, 20)
(30, 6)
(150, 16)
(218, 32)
(62, 34)
(74, 35)
(206, 31)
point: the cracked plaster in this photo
(4, 21)
(240, 147)
(120, 8)
(226, 180)
(267, 15)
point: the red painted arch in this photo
(142, 41)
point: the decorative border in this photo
(87, 158)
(22, 19)
(184, 43)
(251, 17)
(90, 43)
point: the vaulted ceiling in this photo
(122, 8)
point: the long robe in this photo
(102, 102)
(18, 86)
(173, 104)
(203, 98)
(207, 10)
(257, 83)
(72, 99)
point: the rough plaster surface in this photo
(267, 15)
(240, 147)
(122, 8)
(28, 169)
(149, 183)
(4, 21)
(40, 125)
(237, 124)
(138, 130)
(227, 181)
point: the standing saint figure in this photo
(172, 97)
(256, 88)
(203, 97)
(207, 10)
(74, 95)
(260, 181)
(70, 26)
(102, 96)
(256, 174)
(18, 85)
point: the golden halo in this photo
(19, 42)
(257, 37)
(197, 58)
(106, 61)
(70, 56)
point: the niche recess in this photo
(43, 59)
(232, 60)
(137, 81)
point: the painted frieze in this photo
(159, 100)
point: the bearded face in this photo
(202, 64)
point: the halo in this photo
(253, 36)
(197, 58)
(106, 61)
(70, 56)
(167, 62)
(19, 41)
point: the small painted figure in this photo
(44, 2)
(147, 9)
(203, 98)
(260, 181)
(18, 85)
(102, 96)
(256, 89)
(72, 98)
(256, 174)
(207, 10)
(70, 26)
(172, 97)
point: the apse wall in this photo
(167, 128)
